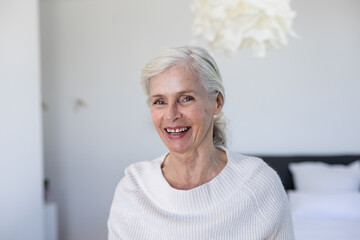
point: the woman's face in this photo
(182, 111)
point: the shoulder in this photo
(260, 182)
(137, 174)
(257, 174)
(140, 169)
(131, 186)
(264, 187)
(129, 194)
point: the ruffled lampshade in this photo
(230, 25)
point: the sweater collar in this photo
(201, 198)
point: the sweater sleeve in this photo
(120, 206)
(271, 203)
(111, 235)
(114, 212)
(285, 229)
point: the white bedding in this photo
(326, 229)
(325, 216)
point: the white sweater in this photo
(245, 201)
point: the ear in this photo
(219, 104)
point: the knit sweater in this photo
(245, 200)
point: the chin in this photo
(177, 147)
(175, 144)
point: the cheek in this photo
(199, 115)
(156, 117)
(205, 116)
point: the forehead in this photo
(173, 80)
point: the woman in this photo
(198, 190)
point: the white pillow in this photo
(325, 205)
(326, 178)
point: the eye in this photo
(159, 102)
(186, 99)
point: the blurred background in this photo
(73, 111)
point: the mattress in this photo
(326, 229)
(321, 216)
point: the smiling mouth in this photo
(177, 131)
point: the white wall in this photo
(303, 99)
(299, 100)
(21, 166)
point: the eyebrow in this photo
(179, 93)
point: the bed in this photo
(324, 194)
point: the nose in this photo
(172, 112)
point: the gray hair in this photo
(201, 64)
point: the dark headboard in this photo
(280, 164)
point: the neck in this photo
(192, 169)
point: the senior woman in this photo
(198, 190)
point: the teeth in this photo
(177, 130)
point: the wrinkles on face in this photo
(179, 101)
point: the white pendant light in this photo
(230, 25)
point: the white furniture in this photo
(51, 223)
